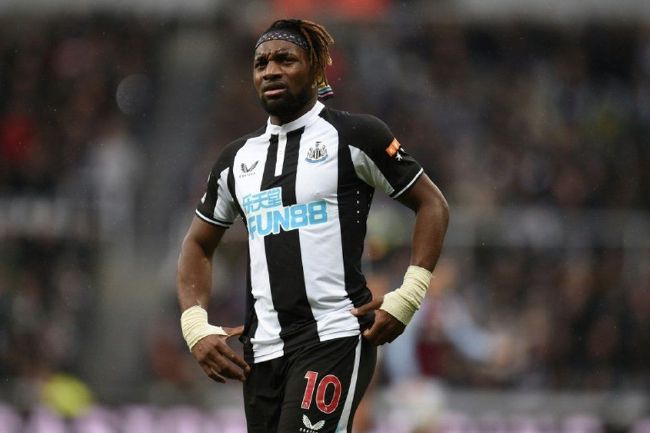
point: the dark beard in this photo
(288, 104)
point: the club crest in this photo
(317, 153)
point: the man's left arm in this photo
(394, 311)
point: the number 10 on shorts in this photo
(330, 379)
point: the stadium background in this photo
(532, 116)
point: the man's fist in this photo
(218, 360)
(385, 328)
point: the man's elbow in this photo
(433, 203)
(193, 246)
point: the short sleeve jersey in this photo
(303, 190)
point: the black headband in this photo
(283, 35)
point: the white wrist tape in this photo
(195, 326)
(402, 303)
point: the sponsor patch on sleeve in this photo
(393, 148)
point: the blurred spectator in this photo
(114, 169)
(444, 333)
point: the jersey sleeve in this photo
(379, 159)
(217, 205)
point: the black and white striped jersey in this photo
(304, 191)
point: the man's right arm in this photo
(194, 280)
(194, 277)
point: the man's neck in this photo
(281, 120)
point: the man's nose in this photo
(272, 70)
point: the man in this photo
(303, 185)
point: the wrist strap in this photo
(195, 326)
(403, 302)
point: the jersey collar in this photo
(300, 122)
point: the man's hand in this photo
(218, 360)
(385, 328)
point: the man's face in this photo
(283, 77)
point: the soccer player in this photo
(303, 184)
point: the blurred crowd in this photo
(498, 114)
(67, 176)
(57, 97)
(525, 116)
(551, 119)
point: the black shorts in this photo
(315, 389)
